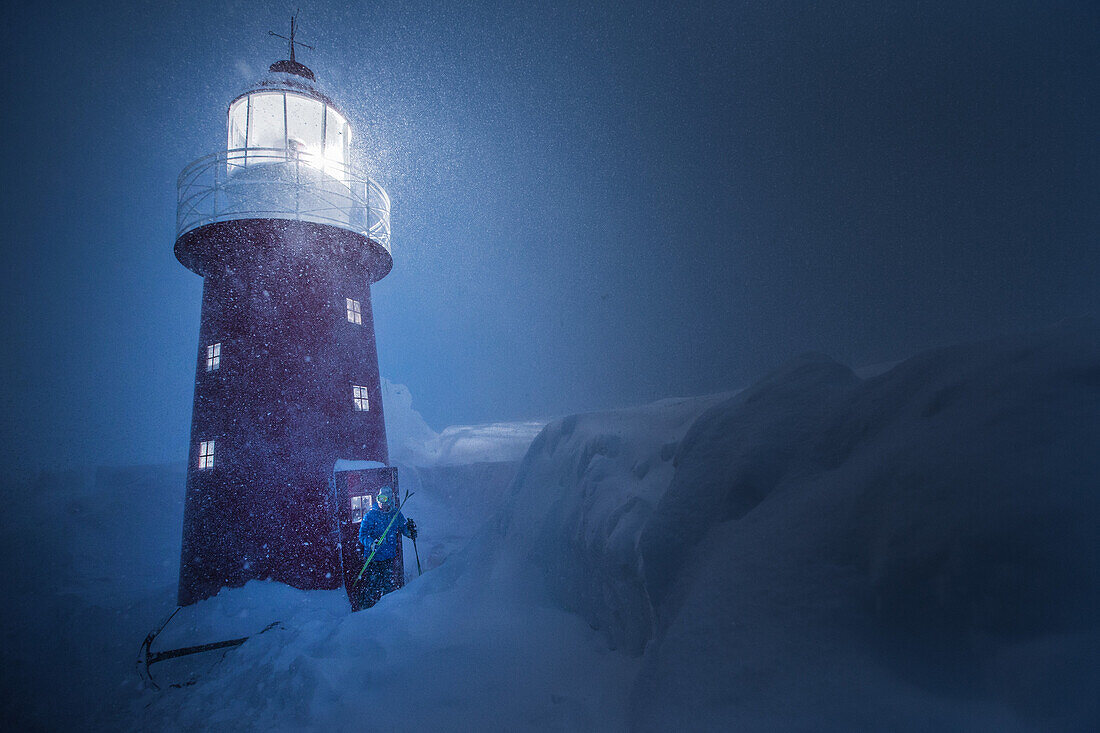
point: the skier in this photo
(378, 578)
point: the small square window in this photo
(359, 396)
(355, 313)
(360, 505)
(213, 356)
(206, 454)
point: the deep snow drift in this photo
(412, 442)
(913, 551)
(916, 551)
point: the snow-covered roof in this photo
(350, 464)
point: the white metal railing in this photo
(276, 183)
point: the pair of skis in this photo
(148, 658)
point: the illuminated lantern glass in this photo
(266, 126)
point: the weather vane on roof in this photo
(293, 29)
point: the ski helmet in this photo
(385, 496)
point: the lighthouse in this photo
(288, 236)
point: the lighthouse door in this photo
(356, 492)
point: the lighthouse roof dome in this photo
(289, 76)
(290, 66)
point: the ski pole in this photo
(396, 513)
(416, 552)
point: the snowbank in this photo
(915, 551)
(409, 437)
(413, 443)
(587, 487)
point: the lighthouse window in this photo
(360, 505)
(337, 138)
(267, 121)
(355, 314)
(359, 395)
(238, 124)
(206, 454)
(213, 356)
(304, 120)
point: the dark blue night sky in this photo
(594, 205)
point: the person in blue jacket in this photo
(378, 578)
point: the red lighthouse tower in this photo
(288, 237)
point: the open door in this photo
(356, 484)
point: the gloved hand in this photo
(375, 545)
(410, 525)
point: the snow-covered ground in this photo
(91, 559)
(912, 551)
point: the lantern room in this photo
(287, 115)
(288, 155)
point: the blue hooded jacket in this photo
(374, 524)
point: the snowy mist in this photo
(741, 361)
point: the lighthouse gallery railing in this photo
(247, 183)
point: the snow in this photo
(911, 551)
(455, 668)
(413, 443)
(349, 464)
(916, 551)
(449, 504)
(494, 442)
